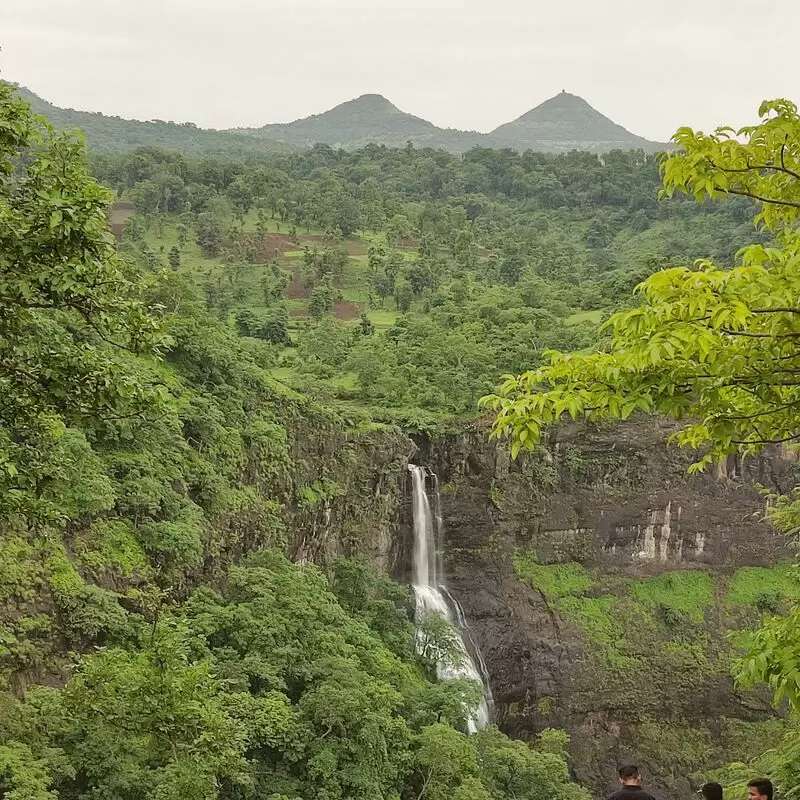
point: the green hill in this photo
(562, 123)
(106, 133)
(567, 122)
(370, 118)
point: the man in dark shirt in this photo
(631, 782)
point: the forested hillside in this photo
(406, 281)
(370, 118)
(116, 134)
(559, 125)
(155, 642)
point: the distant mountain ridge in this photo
(562, 123)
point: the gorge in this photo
(600, 582)
(598, 579)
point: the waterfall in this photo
(432, 595)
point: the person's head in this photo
(629, 775)
(711, 791)
(759, 789)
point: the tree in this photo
(209, 234)
(712, 345)
(275, 327)
(183, 232)
(516, 769)
(175, 257)
(149, 723)
(598, 235)
(22, 775)
(383, 285)
(321, 299)
(443, 760)
(512, 265)
(365, 326)
(376, 256)
(464, 249)
(421, 276)
(246, 322)
(399, 228)
(438, 642)
(403, 295)
(261, 223)
(69, 312)
(273, 284)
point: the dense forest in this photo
(406, 281)
(176, 406)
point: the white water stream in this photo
(432, 595)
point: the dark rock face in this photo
(618, 501)
(362, 479)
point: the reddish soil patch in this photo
(275, 245)
(118, 215)
(297, 290)
(356, 248)
(344, 309)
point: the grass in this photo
(354, 295)
(284, 373)
(595, 317)
(666, 609)
(688, 593)
(762, 587)
(553, 580)
(597, 617)
(382, 319)
(345, 381)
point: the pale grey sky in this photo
(473, 64)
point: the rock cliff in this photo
(601, 581)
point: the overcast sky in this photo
(474, 64)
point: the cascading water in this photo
(431, 594)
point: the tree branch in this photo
(792, 438)
(784, 168)
(760, 198)
(732, 332)
(765, 413)
(757, 167)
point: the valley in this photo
(228, 429)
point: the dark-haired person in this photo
(710, 791)
(759, 789)
(631, 782)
